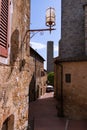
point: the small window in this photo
(42, 73)
(68, 78)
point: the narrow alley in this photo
(43, 113)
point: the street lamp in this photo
(50, 20)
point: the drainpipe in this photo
(61, 102)
(35, 78)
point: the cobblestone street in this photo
(44, 113)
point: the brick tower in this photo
(50, 64)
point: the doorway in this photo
(8, 123)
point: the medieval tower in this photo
(71, 65)
(50, 65)
(72, 31)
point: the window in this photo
(68, 78)
(4, 22)
(42, 73)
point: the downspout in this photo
(35, 80)
(61, 102)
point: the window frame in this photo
(68, 78)
(4, 50)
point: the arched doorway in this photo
(8, 123)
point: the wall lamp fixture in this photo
(50, 22)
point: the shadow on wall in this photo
(14, 46)
(14, 49)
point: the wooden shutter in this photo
(4, 9)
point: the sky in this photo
(37, 21)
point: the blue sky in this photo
(39, 41)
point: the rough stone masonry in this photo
(15, 73)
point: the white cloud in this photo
(55, 48)
(38, 46)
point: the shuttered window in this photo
(4, 9)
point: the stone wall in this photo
(72, 29)
(75, 99)
(38, 82)
(15, 77)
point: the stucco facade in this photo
(72, 99)
(14, 70)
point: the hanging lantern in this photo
(50, 17)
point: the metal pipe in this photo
(62, 112)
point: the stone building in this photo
(50, 63)
(71, 65)
(37, 85)
(14, 64)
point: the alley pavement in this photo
(43, 113)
